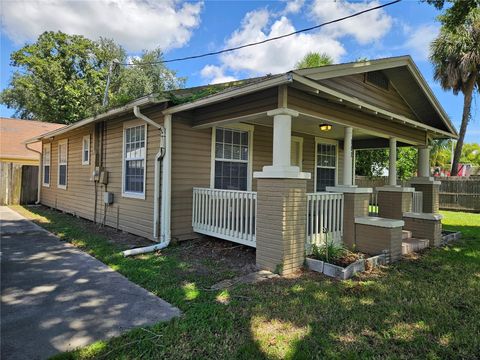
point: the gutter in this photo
(164, 153)
(40, 169)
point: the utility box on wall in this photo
(108, 198)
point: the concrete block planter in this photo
(344, 273)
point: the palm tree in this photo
(440, 152)
(455, 55)
(314, 59)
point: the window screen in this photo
(326, 165)
(134, 174)
(231, 159)
(46, 164)
(62, 164)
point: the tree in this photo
(314, 59)
(455, 55)
(407, 163)
(457, 13)
(61, 78)
(440, 155)
(371, 163)
(471, 154)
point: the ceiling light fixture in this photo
(325, 127)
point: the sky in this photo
(187, 28)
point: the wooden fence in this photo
(18, 183)
(456, 193)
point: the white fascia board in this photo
(92, 119)
(247, 89)
(362, 104)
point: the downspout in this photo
(165, 154)
(39, 176)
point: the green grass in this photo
(424, 308)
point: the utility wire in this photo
(266, 40)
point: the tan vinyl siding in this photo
(134, 215)
(354, 85)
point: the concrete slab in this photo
(56, 298)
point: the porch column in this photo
(392, 166)
(281, 203)
(423, 161)
(347, 157)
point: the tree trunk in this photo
(467, 104)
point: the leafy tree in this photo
(371, 163)
(62, 78)
(440, 153)
(471, 154)
(455, 54)
(457, 13)
(314, 59)
(407, 163)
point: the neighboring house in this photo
(242, 162)
(17, 162)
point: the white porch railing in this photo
(373, 204)
(226, 214)
(324, 216)
(417, 202)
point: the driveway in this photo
(57, 298)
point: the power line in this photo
(266, 40)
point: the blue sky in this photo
(186, 28)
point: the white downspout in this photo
(165, 154)
(39, 176)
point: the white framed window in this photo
(326, 161)
(134, 159)
(86, 150)
(232, 157)
(296, 154)
(62, 164)
(46, 156)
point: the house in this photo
(243, 161)
(19, 164)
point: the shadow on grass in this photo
(423, 308)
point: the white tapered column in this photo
(424, 162)
(347, 157)
(392, 166)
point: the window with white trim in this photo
(62, 164)
(326, 165)
(46, 154)
(86, 150)
(134, 151)
(231, 162)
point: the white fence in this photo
(417, 202)
(324, 217)
(226, 214)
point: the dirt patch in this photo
(207, 255)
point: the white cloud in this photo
(293, 6)
(216, 74)
(135, 24)
(272, 57)
(364, 28)
(419, 39)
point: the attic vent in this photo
(377, 78)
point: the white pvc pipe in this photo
(167, 180)
(144, 250)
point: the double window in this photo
(46, 154)
(231, 168)
(62, 163)
(86, 150)
(134, 153)
(326, 164)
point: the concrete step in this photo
(412, 244)
(406, 234)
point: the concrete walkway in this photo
(57, 298)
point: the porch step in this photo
(406, 234)
(412, 244)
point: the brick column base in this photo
(281, 224)
(425, 226)
(375, 236)
(431, 194)
(394, 201)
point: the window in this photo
(86, 150)
(326, 164)
(232, 158)
(62, 164)
(377, 78)
(46, 164)
(134, 151)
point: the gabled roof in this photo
(13, 132)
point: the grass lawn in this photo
(422, 308)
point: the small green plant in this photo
(329, 251)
